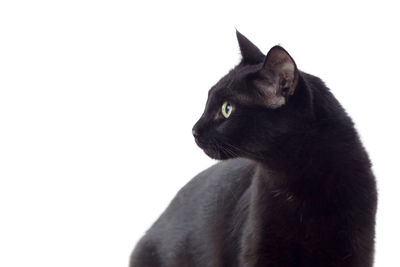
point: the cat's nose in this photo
(195, 133)
(197, 129)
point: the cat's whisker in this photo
(230, 150)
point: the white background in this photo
(98, 98)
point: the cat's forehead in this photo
(232, 81)
(224, 85)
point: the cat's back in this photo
(202, 214)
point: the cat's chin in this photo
(218, 155)
(214, 151)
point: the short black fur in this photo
(294, 187)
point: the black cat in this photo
(295, 186)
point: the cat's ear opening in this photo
(278, 77)
(251, 54)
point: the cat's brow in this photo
(213, 92)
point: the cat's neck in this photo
(328, 147)
(328, 176)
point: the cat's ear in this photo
(250, 53)
(278, 77)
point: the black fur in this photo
(294, 187)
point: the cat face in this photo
(246, 113)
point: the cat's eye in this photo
(226, 109)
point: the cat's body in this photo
(300, 191)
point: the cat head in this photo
(249, 111)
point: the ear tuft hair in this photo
(278, 77)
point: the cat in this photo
(293, 187)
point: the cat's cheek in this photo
(221, 128)
(227, 130)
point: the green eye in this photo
(226, 109)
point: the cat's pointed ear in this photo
(250, 53)
(278, 77)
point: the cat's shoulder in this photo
(226, 172)
(233, 175)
